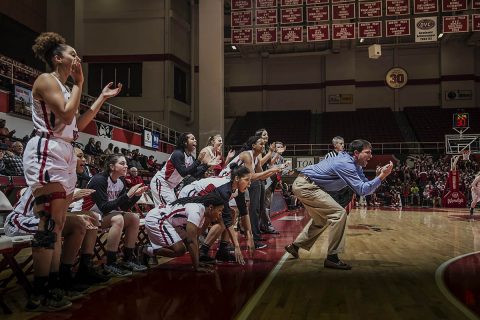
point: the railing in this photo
(377, 148)
(19, 73)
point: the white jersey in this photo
(113, 192)
(169, 174)
(205, 186)
(22, 220)
(178, 215)
(226, 172)
(45, 121)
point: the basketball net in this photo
(466, 154)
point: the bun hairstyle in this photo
(211, 139)
(212, 198)
(248, 144)
(47, 45)
(238, 171)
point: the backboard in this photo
(455, 144)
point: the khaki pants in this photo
(324, 212)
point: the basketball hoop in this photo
(466, 154)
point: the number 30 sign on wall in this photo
(396, 78)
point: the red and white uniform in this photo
(49, 156)
(227, 171)
(205, 186)
(166, 226)
(178, 166)
(22, 221)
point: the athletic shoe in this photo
(115, 270)
(225, 257)
(260, 245)
(145, 258)
(55, 301)
(134, 266)
(207, 259)
(90, 276)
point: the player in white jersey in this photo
(168, 226)
(180, 164)
(110, 201)
(49, 162)
(213, 150)
(229, 188)
(475, 188)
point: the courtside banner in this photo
(426, 29)
(266, 35)
(291, 34)
(475, 22)
(266, 3)
(454, 5)
(454, 24)
(397, 28)
(370, 9)
(242, 36)
(317, 14)
(425, 6)
(241, 18)
(266, 17)
(291, 15)
(241, 4)
(320, 32)
(372, 29)
(343, 11)
(343, 31)
(397, 7)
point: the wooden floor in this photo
(394, 255)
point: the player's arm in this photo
(192, 244)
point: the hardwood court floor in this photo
(394, 255)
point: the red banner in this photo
(292, 15)
(266, 3)
(242, 18)
(475, 4)
(475, 22)
(454, 198)
(396, 28)
(320, 32)
(425, 6)
(266, 35)
(371, 29)
(397, 7)
(291, 3)
(266, 16)
(242, 36)
(343, 31)
(370, 9)
(343, 11)
(241, 4)
(337, 1)
(454, 5)
(317, 14)
(455, 24)
(291, 34)
(313, 2)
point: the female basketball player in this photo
(212, 151)
(49, 161)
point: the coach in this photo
(312, 187)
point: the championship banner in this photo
(454, 24)
(266, 3)
(291, 15)
(241, 4)
(291, 34)
(343, 11)
(343, 31)
(242, 36)
(314, 2)
(370, 9)
(320, 32)
(425, 6)
(266, 35)
(241, 18)
(397, 28)
(397, 7)
(266, 17)
(475, 22)
(372, 29)
(454, 5)
(318, 14)
(475, 4)
(338, 1)
(426, 29)
(291, 3)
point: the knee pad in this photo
(45, 213)
(44, 239)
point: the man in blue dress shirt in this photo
(312, 188)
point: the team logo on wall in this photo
(396, 78)
(104, 130)
(425, 29)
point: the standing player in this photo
(49, 161)
(475, 189)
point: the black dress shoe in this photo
(336, 265)
(292, 249)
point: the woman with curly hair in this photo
(49, 160)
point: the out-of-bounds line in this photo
(448, 295)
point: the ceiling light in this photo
(440, 35)
(234, 47)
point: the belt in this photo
(306, 178)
